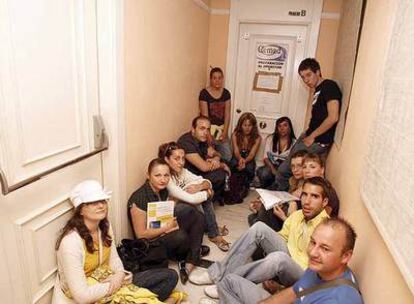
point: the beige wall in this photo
(218, 35)
(379, 277)
(325, 52)
(166, 45)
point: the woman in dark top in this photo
(246, 142)
(215, 103)
(182, 235)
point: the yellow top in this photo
(297, 232)
(92, 259)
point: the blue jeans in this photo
(160, 281)
(224, 149)
(283, 172)
(236, 289)
(277, 264)
(210, 219)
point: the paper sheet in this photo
(271, 198)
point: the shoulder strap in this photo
(100, 247)
(326, 285)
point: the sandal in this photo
(221, 243)
(178, 295)
(223, 230)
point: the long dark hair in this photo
(77, 223)
(166, 150)
(276, 137)
(239, 130)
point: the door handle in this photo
(262, 125)
(238, 111)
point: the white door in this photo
(49, 92)
(267, 83)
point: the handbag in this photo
(141, 254)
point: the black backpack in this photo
(140, 255)
(238, 189)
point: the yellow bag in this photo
(127, 294)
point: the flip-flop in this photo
(223, 245)
(223, 230)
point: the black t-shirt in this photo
(216, 107)
(324, 92)
(145, 195)
(191, 145)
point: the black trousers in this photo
(217, 179)
(185, 243)
(160, 281)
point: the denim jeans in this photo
(224, 149)
(283, 172)
(210, 219)
(276, 265)
(160, 281)
(236, 289)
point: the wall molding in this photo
(202, 5)
(26, 233)
(220, 11)
(331, 16)
(212, 11)
(226, 11)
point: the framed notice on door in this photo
(268, 82)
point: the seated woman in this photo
(277, 149)
(89, 268)
(246, 142)
(181, 236)
(192, 189)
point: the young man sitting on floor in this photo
(285, 250)
(202, 159)
(328, 278)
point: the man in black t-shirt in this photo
(202, 159)
(319, 136)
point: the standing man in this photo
(320, 134)
(202, 159)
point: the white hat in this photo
(88, 191)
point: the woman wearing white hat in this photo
(89, 268)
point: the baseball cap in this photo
(88, 191)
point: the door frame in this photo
(110, 30)
(233, 40)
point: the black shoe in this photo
(183, 272)
(204, 263)
(204, 250)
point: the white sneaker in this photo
(200, 277)
(207, 301)
(211, 291)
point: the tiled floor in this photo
(235, 218)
